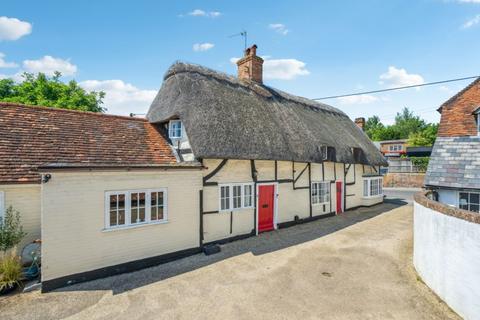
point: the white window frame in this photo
(230, 196)
(478, 121)
(367, 182)
(2, 204)
(326, 185)
(128, 216)
(468, 203)
(171, 132)
(395, 147)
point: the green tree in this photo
(50, 91)
(407, 123)
(426, 137)
(373, 125)
(11, 230)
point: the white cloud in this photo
(396, 77)
(279, 28)
(203, 46)
(49, 65)
(203, 13)
(281, 69)
(215, 14)
(121, 98)
(472, 22)
(360, 99)
(469, 1)
(5, 64)
(284, 69)
(17, 77)
(13, 29)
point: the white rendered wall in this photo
(449, 197)
(447, 257)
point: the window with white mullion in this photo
(235, 196)
(224, 197)
(373, 187)
(130, 208)
(320, 192)
(247, 195)
(137, 207)
(469, 201)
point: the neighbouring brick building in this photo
(454, 168)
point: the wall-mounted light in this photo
(46, 177)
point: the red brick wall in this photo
(457, 118)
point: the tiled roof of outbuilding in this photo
(32, 136)
(455, 163)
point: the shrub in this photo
(11, 230)
(420, 162)
(10, 272)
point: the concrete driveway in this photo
(353, 266)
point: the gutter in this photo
(49, 168)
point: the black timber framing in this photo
(298, 177)
(200, 193)
(214, 172)
(253, 172)
(276, 170)
(310, 187)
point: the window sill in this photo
(134, 226)
(373, 197)
(237, 209)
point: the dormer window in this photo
(175, 129)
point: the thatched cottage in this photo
(218, 158)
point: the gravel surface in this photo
(353, 266)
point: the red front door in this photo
(339, 196)
(265, 207)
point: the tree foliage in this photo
(406, 126)
(426, 137)
(11, 230)
(50, 91)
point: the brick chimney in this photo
(360, 122)
(250, 67)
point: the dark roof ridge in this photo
(89, 113)
(458, 94)
(180, 67)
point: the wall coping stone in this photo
(439, 207)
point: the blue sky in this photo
(312, 48)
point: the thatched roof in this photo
(228, 118)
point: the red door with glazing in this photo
(266, 203)
(339, 196)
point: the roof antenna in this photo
(242, 34)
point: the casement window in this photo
(477, 118)
(2, 204)
(175, 129)
(372, 187)
(235, 196)
(320, 192)
(469, 201)
(136, 207)
(395, 147)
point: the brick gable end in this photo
(457, 113)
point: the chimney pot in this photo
(250, 66)
(360, 122)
